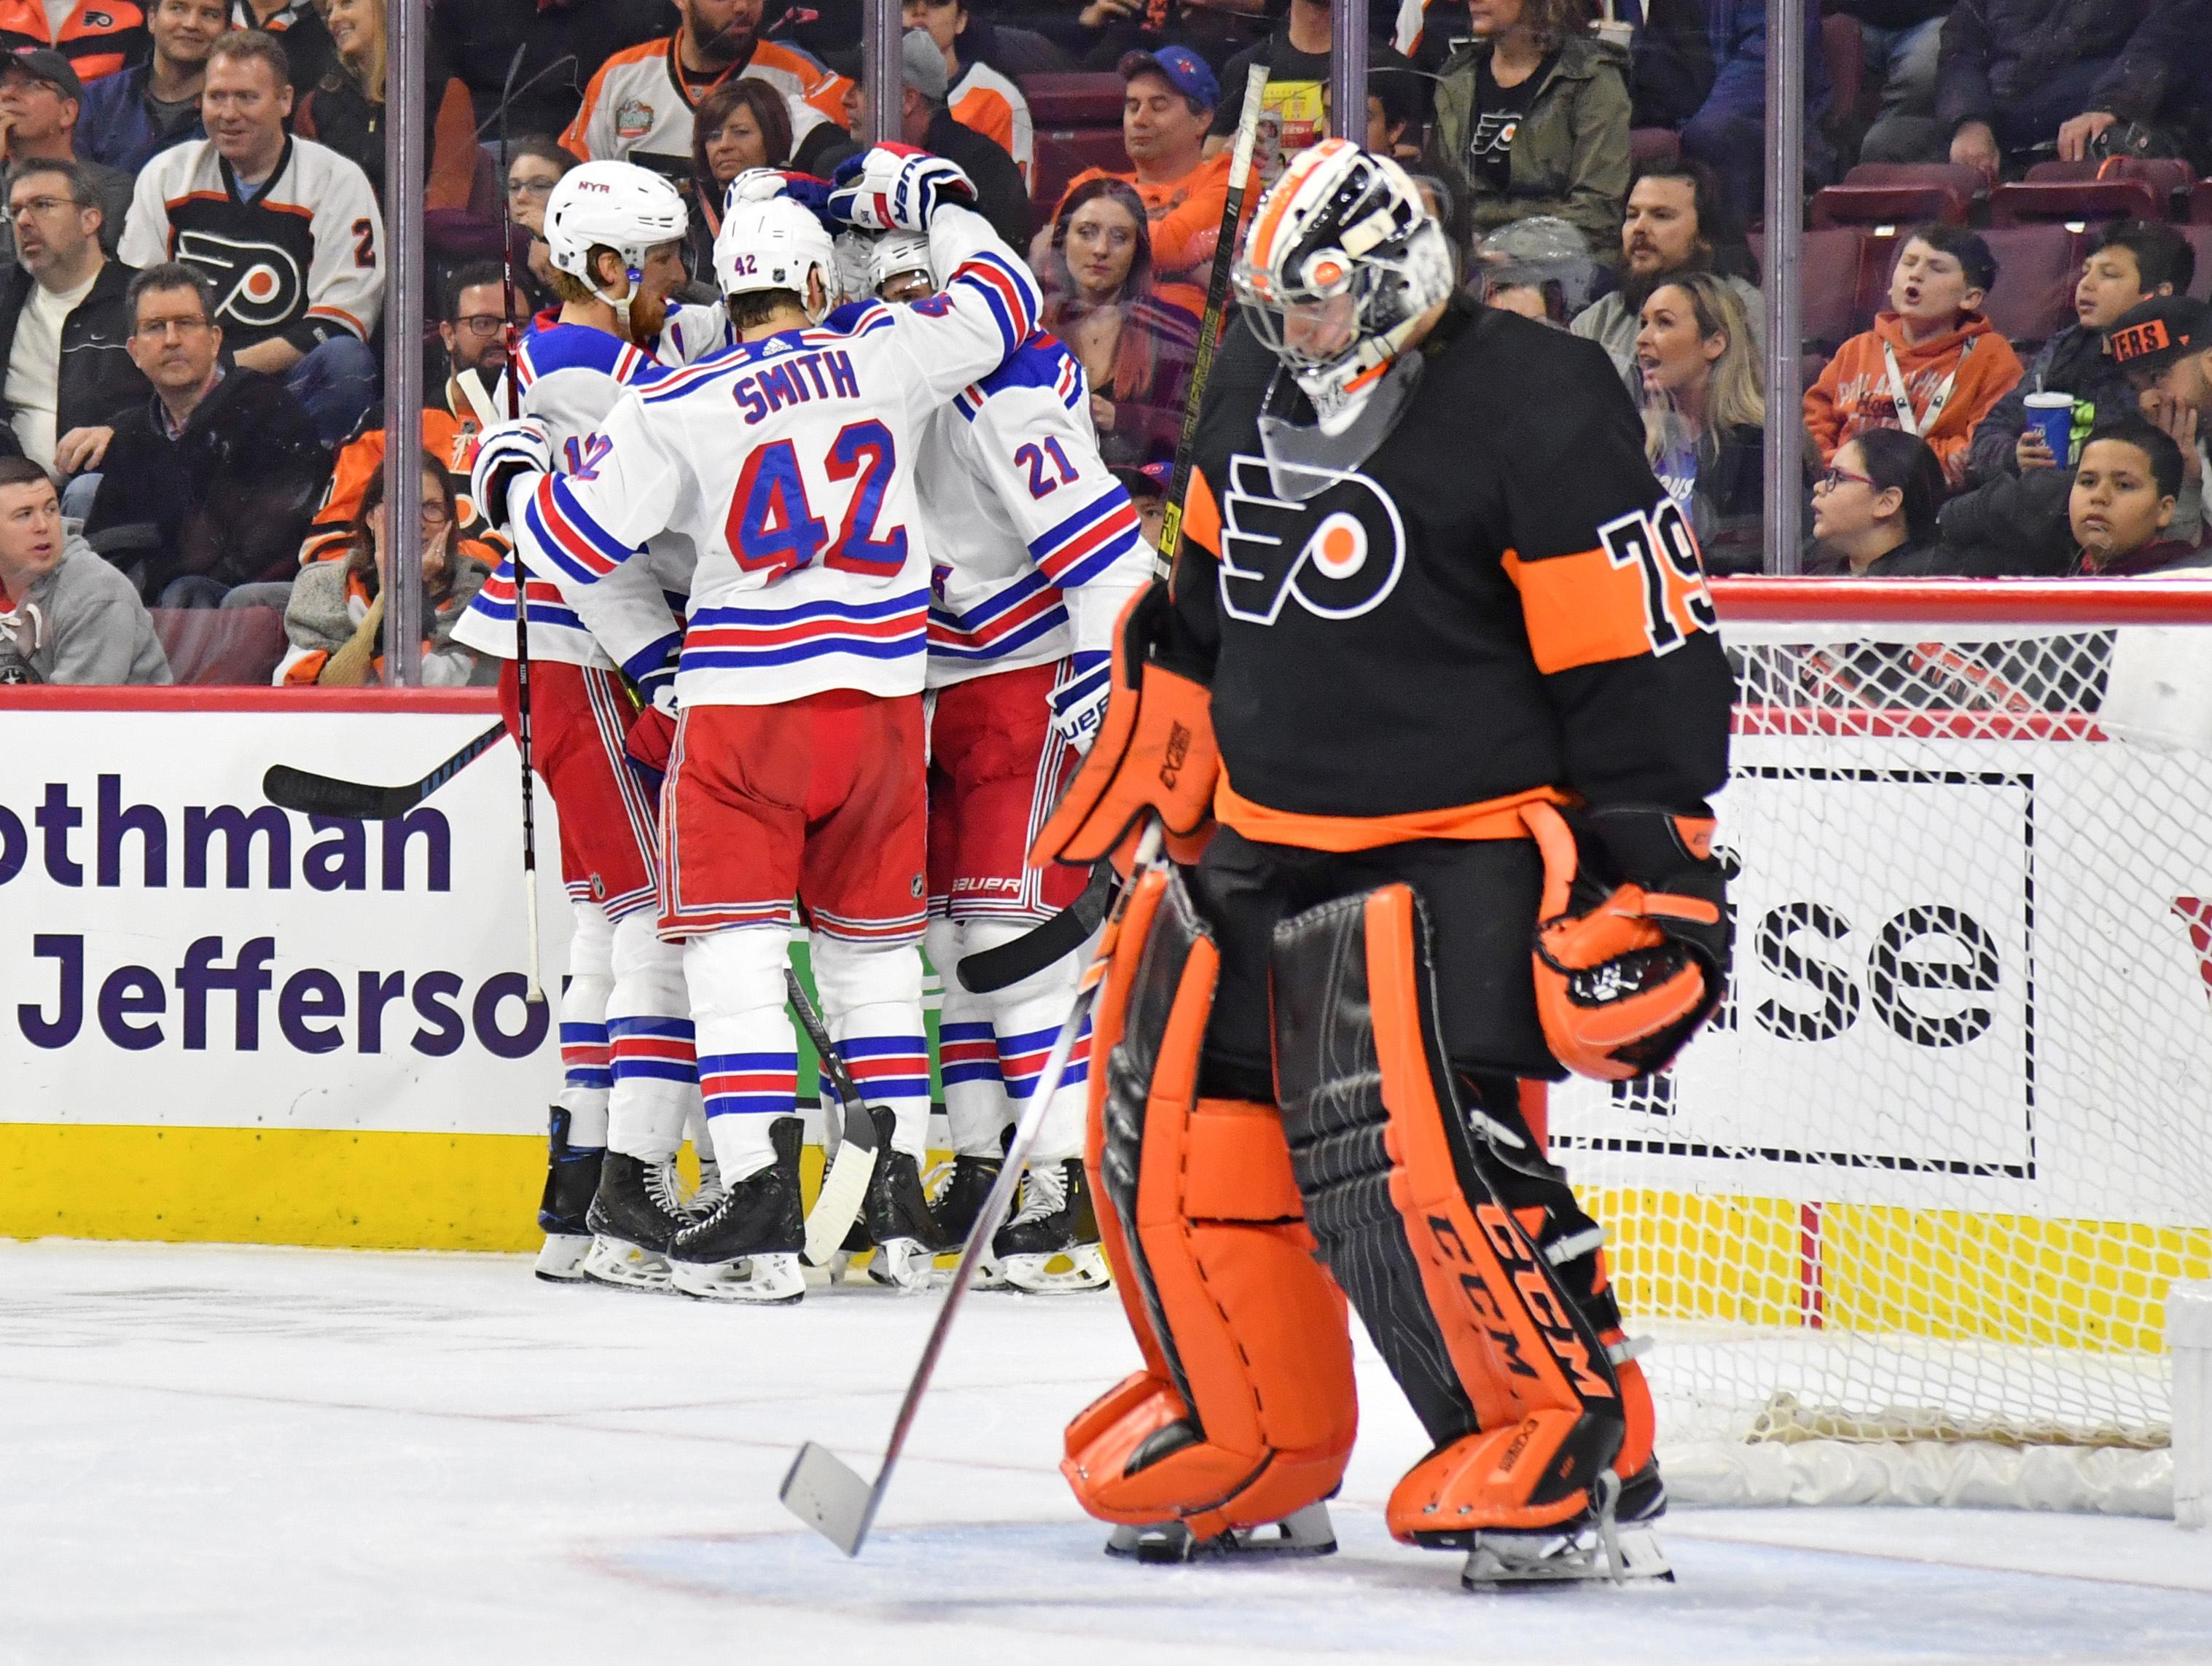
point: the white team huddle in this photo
(842, 578)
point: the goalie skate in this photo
(634, 1216)
(1050, 1246)
(1306, 1532)
(1614, 1542)
(954, 1200)
(747, 1250)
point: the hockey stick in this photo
(1209, 328)
(1064, 933)
(536, 990)
(845, 1186)
(990, 970)
(821, 1489)
(313, 794)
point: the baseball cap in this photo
(1180, 67)
(2151, 336)
(925, 66)
(1151, 480)
(42, 64)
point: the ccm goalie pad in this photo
(1480, 1278)
(1154, 753)
(1243, 1415)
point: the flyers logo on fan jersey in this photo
(257, 285)
(1340, 552)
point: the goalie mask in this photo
(611, 205)
(775, 244)
(1342, 262)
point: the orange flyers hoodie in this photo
(1853, 393)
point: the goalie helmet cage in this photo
(1904, 1217)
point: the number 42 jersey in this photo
(790, 465)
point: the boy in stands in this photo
(1932, 365)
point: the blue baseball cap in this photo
(1180, 67)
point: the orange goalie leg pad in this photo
(1246, 1411)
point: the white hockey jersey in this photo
(570, 376)
(1035, 545)
(637, 109)
(790, 462)
(301, 257)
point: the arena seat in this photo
(1843, 48)
(1887, 205)
(231, 646)
(2038, 266)
(1078, 122)
(1830, 266)
(1652, 144)
(1969, 183)
(2200, 239)
(2200, 203)
(2076, 201)
(2167, 177)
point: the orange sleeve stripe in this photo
(1580, 610)
(1202, 515)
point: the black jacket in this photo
(2072, 361)
(230, 497)
(564, 43)
(1998, 52)
(1001, 197)
(99, 383)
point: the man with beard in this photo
(1676, 222)
(639, 106)
(616, 235)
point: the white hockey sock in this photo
(872, 1002)
(1026, 1018)
(585, 1070)
(748, 1053)
(650, 1040)
(975, 1104)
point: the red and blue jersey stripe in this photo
(761, 638)
(1005, 623)
(583, 1056)
(1090, 541)
(578, 544)
(887, 1069)
(750, 1084)
(1022, 1059)
(661, 1048)
(1008, 291)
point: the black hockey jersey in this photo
(1501, 598)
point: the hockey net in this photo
(1902, 1220)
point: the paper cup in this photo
(2053, 415)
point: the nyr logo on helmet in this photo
(257, 285)
(1340, 552)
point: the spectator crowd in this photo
(2007, 366)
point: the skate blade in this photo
(1521, 1561)
(904, 1265)
(1064, 1272)
(620, 1266)
(1307, 1532)
(561, 1259)
(761, 1280)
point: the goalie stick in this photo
(821, 1489)
(1064, 933)
(312, 794)
(845, 1184)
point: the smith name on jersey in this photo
(789, 463)
(300, 257)
(1500, 599)
(1029, 525)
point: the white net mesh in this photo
(1923, 1183)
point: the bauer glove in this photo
(896, 187)
(508, 454)
(1079, 699)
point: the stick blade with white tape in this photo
(823, 1491)
(844, 1190)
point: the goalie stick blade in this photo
(838, 1204)
(823, 1491)
(992, 969)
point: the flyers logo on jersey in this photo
(1340, 552)
(257, 285)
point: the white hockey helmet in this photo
(614, 205)
(775, 244)
(1342, 259)
(895, 254)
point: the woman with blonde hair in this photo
(1705, 414)
(345, 109)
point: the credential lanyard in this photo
(1917, 426)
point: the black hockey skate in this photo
(898, 1218)
(748, 1250)
(956, 1204)
(1055, 1224)
(572, 1176)
(634, 1217)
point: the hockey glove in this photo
(508, 454)
(653, 732)
(1632, 941)
(1079, 699)
(761, 184)
(896, 187)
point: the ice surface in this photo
(230, 1454)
